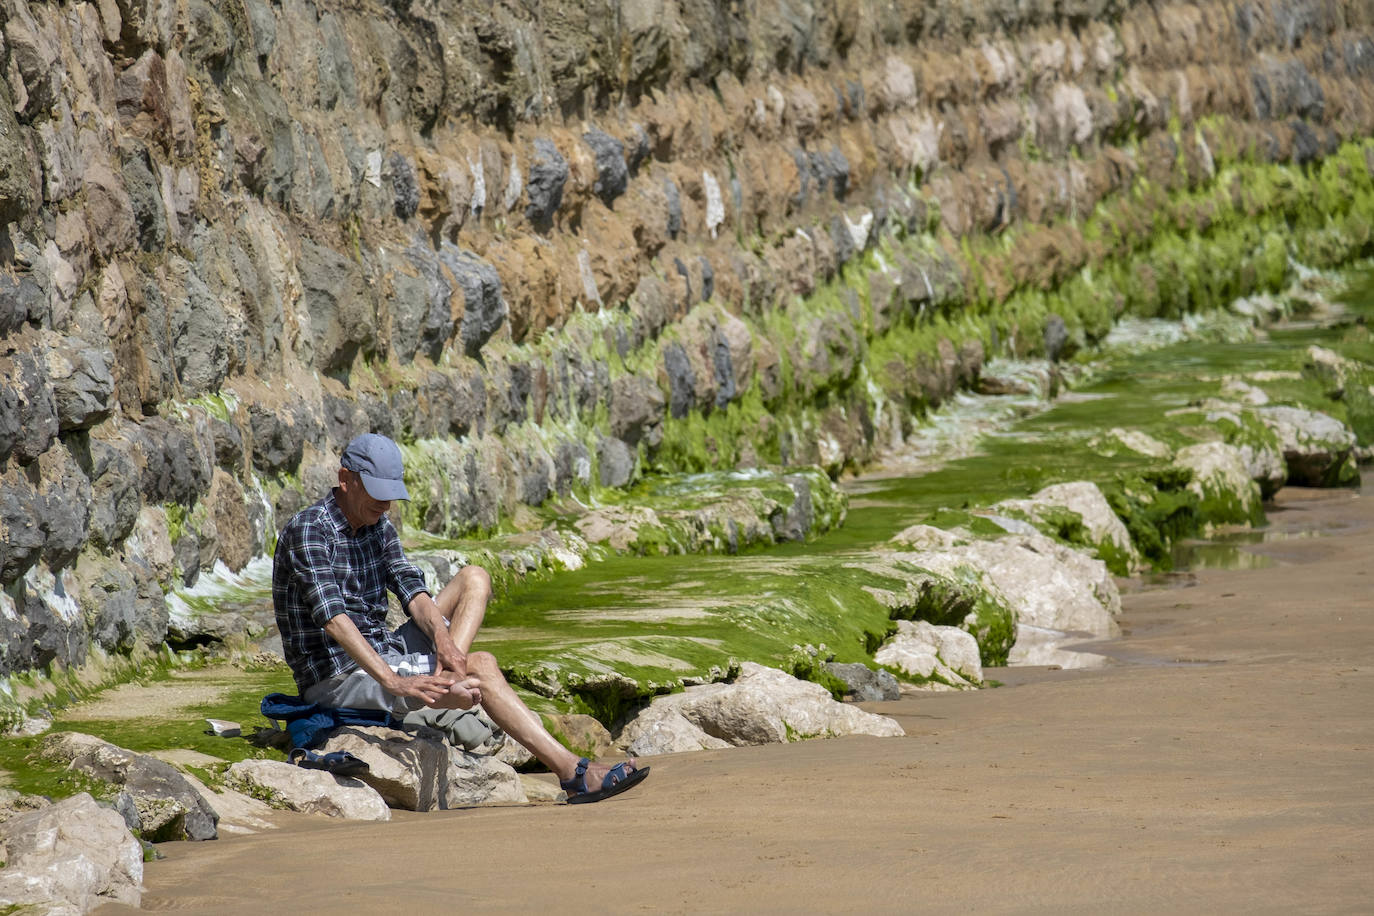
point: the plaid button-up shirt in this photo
(321, 569)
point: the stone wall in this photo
(564, 238)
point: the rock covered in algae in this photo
(1315, 445)
(946, 655)
(1221, 481)
(762, 706)
(168, 806)
(1084, 502)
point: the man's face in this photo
(358, 507)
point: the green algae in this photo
(242, 689)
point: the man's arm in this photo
(428, 688)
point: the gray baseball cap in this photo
(377, 460)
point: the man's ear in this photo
(343, 478)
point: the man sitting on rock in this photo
(333, 565)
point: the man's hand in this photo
(438, 689)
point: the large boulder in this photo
(69, 858)
(762, 706)
(308, 791)
(419, 772)
(169, 807)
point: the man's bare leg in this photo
(463, 602)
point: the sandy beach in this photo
(1225, 762)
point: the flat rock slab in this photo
(308, 791)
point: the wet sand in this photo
(1225, 763)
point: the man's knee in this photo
(483, 664)
(474, 580)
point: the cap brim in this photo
(380, 488)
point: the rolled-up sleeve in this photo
(312, 563)
(403, 578)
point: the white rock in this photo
(661, 729)
(69, 858)
(1045, 583)
(715, 204)
(238, 813)
(923, 649)
(474, 780)
(762, 706)
(309, 791)
(408, 770)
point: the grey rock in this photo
(53, 634)
(572, 465)
(150, 215)
(947, 654)
(615, 462)
(21, 301)
(228, 445)
(186, 549)
(682, 380)
(108, 596)
(262, 26)
(674, 208)
(279, 434)
(66, 495)
(343, 316)
(864, 683)
(1315, 445)
(201, 335)
(210, 39)
(843, 241)
(612, 175)
(21, 524)
(343, 419)
(548, 175)
(115, 499)
(142, 776)
(636, 407)
(484, 308)
(1056, 338)
(29, 423)
(795, 523)
(82, 384)
(723, 369)
(477, 780)
(175, 468)
(421, 319)
(19, 189)
(404, 188)
(69, 858)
